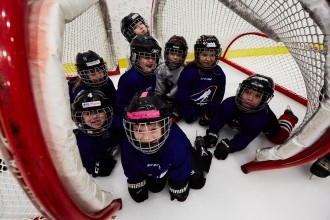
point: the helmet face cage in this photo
(147, 122)
(176, 45)
(207, 43)
(128, 23)
(147, 47)
(87, 75)
(263, 85)
(91, 112)
(78, 118)
(134, 130)
(91, 69)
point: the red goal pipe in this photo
(317, 150)
(278, 88)
(27, 149)
(242, 35)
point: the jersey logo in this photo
(205, 96)
(156, 170)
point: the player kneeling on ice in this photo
(201, 85)
(96, 135)
(249, 113)
(157, 151)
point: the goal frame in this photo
(312, 136)
(23, 146)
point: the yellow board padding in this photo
(254, 52)
(70, 69)
(315, 46)
(235, 53)
(123, 63)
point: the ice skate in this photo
(321, 168)
(289, 111)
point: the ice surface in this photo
(229, 194)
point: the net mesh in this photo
(292, 53)
(89, 31)
(14, 204)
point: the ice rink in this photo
(229, 194)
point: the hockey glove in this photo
(211, 139)
(203, 153)
(223, 149)
(104, 167)
(175, 115)
(179, 191)
(205, 119)
(138, 190)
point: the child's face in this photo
(95, 75)
(147, 133)
(147, 64)
(207, 58)
(250, 99)
(174, 57)
(140, 29)
(94, 119)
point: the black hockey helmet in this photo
(178, 45)
(147, 108)
(207, 43)
(144, 46)
(128, 23)
(260, 83)
(87, 103)
(91, 63)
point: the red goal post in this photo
(295, 54)
(37, 141)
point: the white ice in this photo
(229, 194)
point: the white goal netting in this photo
(55, 32)
(285, 39)
(90, 30)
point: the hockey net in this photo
(288, 36)
(286, 40)
(41, 174)
(80, 34)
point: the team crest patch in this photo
(205, 96)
